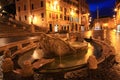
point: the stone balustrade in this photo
(18, 46)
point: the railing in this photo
(19, 46)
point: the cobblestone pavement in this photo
(106, 71)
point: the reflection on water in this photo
(66, 61)
(89, 52)
(87, 34)
(113, 38)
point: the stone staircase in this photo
(7, 26)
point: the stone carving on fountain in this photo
(53, 46)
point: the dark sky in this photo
(105, 7)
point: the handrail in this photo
(19, 45)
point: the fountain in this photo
(56, 55)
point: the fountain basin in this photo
(60, 64)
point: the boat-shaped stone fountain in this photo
(55, 56)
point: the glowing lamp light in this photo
(115, 9)
(0, 7)
(55, 2)
(114, 16)
(56, 28)
(72, 12)
(3, 11)
(105, 24)
(88, 14)
(33, 19)
(89, 53)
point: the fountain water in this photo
(59, 56)
(38, 53)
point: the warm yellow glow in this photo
(72, 13)
(0, 7)
(54, 8)
(3, 11)
(89, 33)
(35, 19)
(75, 9)
(90, 19)
(89, 53)
(56, 28)
(114, 16)
(105, 24)
(31, 17)
(115, 9)
(55, 3)
(88, 14)
(88, 23)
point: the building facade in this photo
(117, 15)
(105, 23)
(117, 11)
(54, 15)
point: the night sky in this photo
(105, 7)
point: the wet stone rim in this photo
(107, 50)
